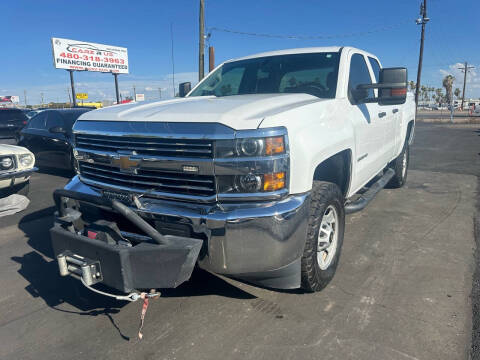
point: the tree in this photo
(439, 95)
(423, 90)
(448, 84)
(412, 85)
(457, 93)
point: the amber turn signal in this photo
(273, 182)
(274, 145)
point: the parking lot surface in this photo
(402, 289)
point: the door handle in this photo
(382, 114)
(395, 111)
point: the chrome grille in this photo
(191, 148)
(144, 180)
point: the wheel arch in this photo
(336, 169)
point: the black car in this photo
(49, 136)
(11, 122)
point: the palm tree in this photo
(412, 85)
(457, 93)
(423, 89)
(439, 95)
(447, 84)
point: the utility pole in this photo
(69, 98)
(134, 93)
(25, 97)
(201, 44)
(465, 69)
(41, 95)
(211, 58)
(160, 93)
(421, 21)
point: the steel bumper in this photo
(254, 241)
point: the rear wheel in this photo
(400, 166)
(326, 225)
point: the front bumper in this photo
(256, 241)
(17, 174)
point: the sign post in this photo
(73, 88)
(115, 75)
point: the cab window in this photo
(359, 74)
(375, 67)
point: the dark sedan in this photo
(11, 122)
(49, 136)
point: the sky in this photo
(384, 28)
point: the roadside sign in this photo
(9, 99)
(82, 96)
(140, 97)
(81, 55)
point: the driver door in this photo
(368, 125)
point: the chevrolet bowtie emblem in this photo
(125, 163)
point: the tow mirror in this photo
(392, 88)
(184, 89)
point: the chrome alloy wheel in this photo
(327, 238)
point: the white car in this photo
(16, 166)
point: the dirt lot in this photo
(402, 290)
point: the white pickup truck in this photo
(249, 175)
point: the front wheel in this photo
(326, 225)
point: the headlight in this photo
(26, 160)
(252, 164)
(6, 163)
(250, 147)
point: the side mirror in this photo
(184, 89)
(57, 130)
(393, 89)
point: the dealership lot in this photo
(402, 290)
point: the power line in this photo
(310, 37)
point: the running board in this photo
(368, 196)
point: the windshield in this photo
(311, 73)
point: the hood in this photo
(238, 112)
(12, 149)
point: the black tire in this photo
(400, 166)
(325, 196)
